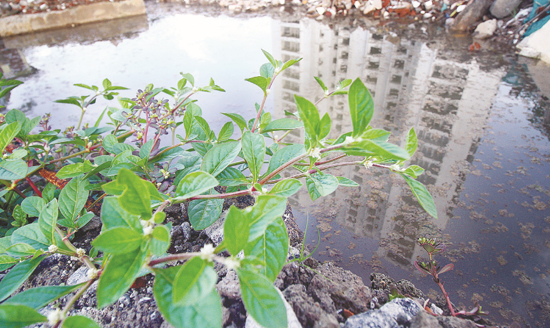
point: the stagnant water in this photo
(480, 119)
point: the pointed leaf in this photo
(194, 184)
(135, 199)
(194, 281)
(205, 314)
(204, 212)
(17, 276)
(261, 300)
(19, 316)
(118, 240)
(286, 188)
(361, 106)
(321, 185)
(113, 215)
(72, 198)
(47, 221)
(236, 229)
(310, 117)
(8, 133)
(422, 195)
(13, 170)
(37, 298)
(238, 119)
(78, 321)
(282, 124)
(412, 142)
(118, 276)
(253, 147)
(265, 211)
(220, 156)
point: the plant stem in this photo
(172, 257)
(263, 103)
(96, 201)
(440, 284)
(280, 168)
(73, 300)
(315, 170)
(33, 186)
(323, 162)
(219, 196)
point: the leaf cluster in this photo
(56, 182)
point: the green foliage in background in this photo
(55, 179)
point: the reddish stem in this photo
(33, 186)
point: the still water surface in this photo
(479, 118)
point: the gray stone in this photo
(485, 29)
(536, 45)
(425, 320)
(503, 8)
(473, 13)
(186, 230)
(402, 310)
(371, 319)
(215, 231)
(229, 286)
(79, 276)
(307, 310)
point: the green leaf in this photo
(84, 219)
(345, 182)
(284, 155)
(253, 147)
(260, 81)
(265, 211)
(118, 240)
(72, 198)
(47, 221)
(267, 70)
(74, 170)
(17, 154)
(20, 250)
(271, 248)
(283, 124)
(118, 276)
(189, 78)
(361, 106)
(203, 212)
(414, 171)
(136, 198)
(194, 184)
(324, 126)
(321, 185)
(226, 132)
(323, 86)
(261, 300)
(32, 235)
(270, 58)
(231, 177)
(8, 133)
(7, 262)
(109, 143)
(236, 229)
(37, 298)
(194, 281)
(17, 276)
(422, 194)
(286, 188)
(78, 321)
(145, 150)
(13, 170)
(205, 314)
(238, 119)
(113, 215)
(18, 316)
(412, 142)
(48, 193)
(160, 241)
(220, 156)
(310, 116)
(19, 215)
(385, 149)
(290, 63)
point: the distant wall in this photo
(20, 24)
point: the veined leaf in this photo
(265, 211)
(113, 215)
(310, 116)
(72, 198)
(236, 229)
(37, 298)
(270, 248)
(238, 119)
(283, 124)
(261, 300)
(136, 198)
(160, 241)
(78, 321)
(194, 281)
(253, 148)
(321, 185)
(284, 155)
(286, 188)
(260, 81)
(422, 195)
(203, 212)
(231, 177)
(47, 221)
(17, 275)
(32, 235)
(226, 132)
(13, 170)
(8, 133)
(118, 276)
(219, 157)
(19, 316)
(411, 143)
(345, 182)
(205, 314)
(118, 240)
(194, 184)
(361, 106)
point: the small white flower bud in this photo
(368, 164)
(92, 274)
(80, 252)
(148, 230)
(54, 317)
(53, 249)
(232, 263)
(207, 252)
(396, 167)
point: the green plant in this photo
(122, 167)
(431, 267)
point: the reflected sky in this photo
(479, 119)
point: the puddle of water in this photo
(479, 118)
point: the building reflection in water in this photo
(446, 102)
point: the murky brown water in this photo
(479, 117)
